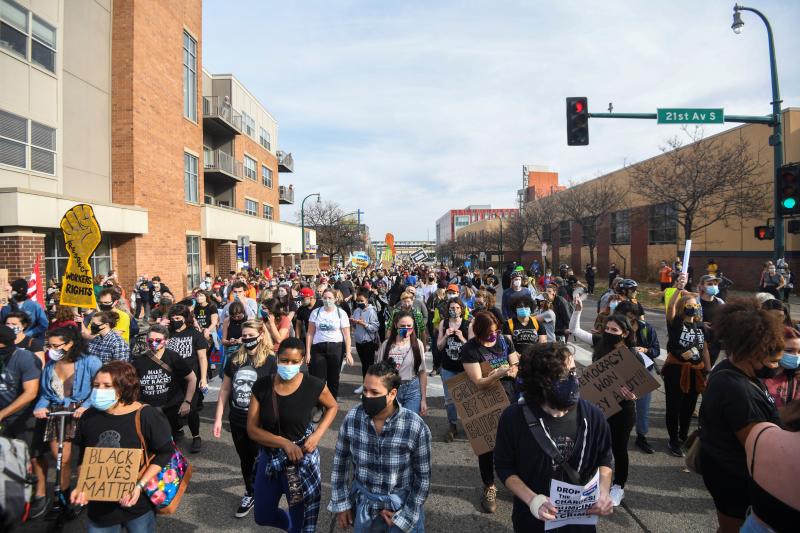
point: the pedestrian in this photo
(514, 291)
(734, 401)
(772, 282)
(408, 352)
(789, 276)
(686, 366)
(665, 276)
(709, 303)
(613, 273)
(113, 421)
(522, 326)
(106, 344)
(253, 360)
(618, 334)
(453, 333)
(18, 301)
(590, 274)
(578, 436)
(489, 345)
(385, 450)
(562, 310)
(279, 420)
(206, 316)
(407, 301)
(19, 322)
(784, 385)
(327, 339)
(365, 321)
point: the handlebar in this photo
(61, 413)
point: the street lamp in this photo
(776, 140)
(303, 222)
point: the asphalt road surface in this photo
(661, 495)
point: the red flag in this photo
(35, 286)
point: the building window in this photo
(43, 45)
(190, 181)
(564, 233)
(588, 232)
(663, 224)
(265, 139)
(14, 144)
(266, 176)
(250, 168)
(621, 227)
(250, 207)
(192, 261)
(55, 256)
(268, 211)
(14, 28)
(43, 148)
(547, 233)
(189, 77)
(249, 124)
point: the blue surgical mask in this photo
(613, 305)
(523, 312)
(103, 399)
(403, 332)
(790, 361)
(287, 372)
(712, 290)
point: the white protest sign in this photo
(687, 250)
(572, 502)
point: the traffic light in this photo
(577, 121)
(764, 233)
(789, 189)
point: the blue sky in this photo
(408, 109)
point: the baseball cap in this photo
(452, 287)
(7, 336)
(516, 274)
(20, 286)
(708, 277)
(305, 292)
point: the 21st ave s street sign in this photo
(671, 115)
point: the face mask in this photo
(451, 296)
(523, 312)
(790, 361)
(611, 338)
(103, 399)
(95, 328)
(373, 406)
(403, 332)
(175, 324)
(712, 290)
(252, 343)
(492, 337)
(287, 372)
(690, 311)
(16, 329)
(479, 307)
(263, 312)
(613, 305)
(306, 301)
(564, 393)
(330, 303)
(55, 354)
(516, 284)
(766, 372)
(155, 344)
(452, 313)
(105, 307)
(361, 305)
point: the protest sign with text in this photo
(572, 502)
(106, 474)
(81, 236)
(601, 381)
(309, 267)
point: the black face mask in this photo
(564, 393)
(361, 305)
(611, 338)
(252, 343)
(766, 372)
(176, 324)
(373, 406)
(105, 307)
(95, 328)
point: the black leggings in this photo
(326, 364)
(486, 466)
(175, 422)
(621, 425)
(680, 405)
(366, 352)
(248, 453)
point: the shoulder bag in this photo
(548, 447)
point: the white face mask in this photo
(55, 354)
(517, 283)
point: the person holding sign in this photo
(452, 335)
(553, 435)
(489, 346)
(111, 423)
(407, 351)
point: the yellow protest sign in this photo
(106, 474)
(81, 236)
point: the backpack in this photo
(16, 482)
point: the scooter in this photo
(67, 513)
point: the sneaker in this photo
(197, 445)
(434, 373)
(489, 500)
(38, 506)
(178, 435)
(675, 449)
(245, 506)
(450, 436)
(642, 444)
(359, 390)
(616, 493)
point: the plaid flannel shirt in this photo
(397, 459)
(112, 347)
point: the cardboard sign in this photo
(572, 502)
(309, 267)
(81, 236)
(3, 285)
(478, 409)
(600, 381)
(419, 256)
(360, 259)
(108, 473)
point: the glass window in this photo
(268, 211)
(189, 77)
(13, 140)
(13, 28)
(192, 261)
(250, 207)
(190, 181)
(588, 231)
(663, 224)
(547, 233)
(265, 139)
(249, 124)
(266, 176)
(43, 45)
(43, 148)
(564, 233)
(55, 256)
(621, 227)
(250, 168)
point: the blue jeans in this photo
(643, 413)
(380, 525)
(144, 524)
(753, 525)
(450, 407)
(267, 493)
(410, 396)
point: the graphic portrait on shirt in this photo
(243, 382)
(109, 439)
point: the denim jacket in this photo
(85, 368)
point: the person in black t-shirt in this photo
(111, 423)
(521, 326)
(191, 346)
(454, 331)
(206, 314)
(279, 419)
(253, 361)
(165, 380)
(19, 322)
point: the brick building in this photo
(101, 105)
(448, 224)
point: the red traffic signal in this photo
(764, 233)
(577, 121)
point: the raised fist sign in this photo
(81, 236)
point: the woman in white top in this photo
(328, 337)
(408, 353)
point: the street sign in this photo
(419, 256)
(677, 115)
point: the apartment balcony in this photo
(219, 118)
(285, 162)
(286, 195)
(227, 224)
(217, 163)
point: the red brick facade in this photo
(18, 252)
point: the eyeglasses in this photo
(56, 347)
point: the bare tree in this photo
(336, 234)
(706, 181)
